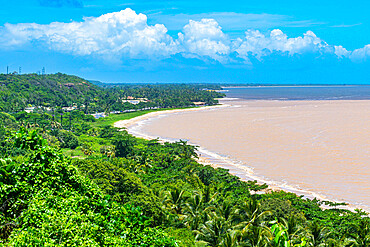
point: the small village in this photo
(131, 100)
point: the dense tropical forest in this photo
(68, 179)
(56, 91)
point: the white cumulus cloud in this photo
(205, 38)
(361, 54)
(118, 33)
(127, 35)
(261, 45)
(340, 51)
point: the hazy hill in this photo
(20, 91)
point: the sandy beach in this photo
(314, 148)
(133, 121)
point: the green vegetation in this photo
(72, 180)
(111, 119)
(52, 92)
(47, 202)
(20, 91)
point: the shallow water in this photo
(317, 146)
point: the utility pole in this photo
(43, 70)
(7, 70)
(20, 70)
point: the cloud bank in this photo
(126, 35)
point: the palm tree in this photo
(196, 211)
(230, 239)
(186, 151)
(255, 236)
(207, 195)
(317, 234)
(281, 236)
(343, 242)
(175, 201)
(213, 231)
(132, 166)
(226, 211)
(293, 228)
(249, 213)
(360, 233)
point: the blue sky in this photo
(265, 41)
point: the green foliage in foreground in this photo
(45, 201)
(127, 191)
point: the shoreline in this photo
(129, 122)
(215, 160)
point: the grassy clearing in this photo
(95, 143)
(111, 119)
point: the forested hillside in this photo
(20, 91)
(60, 90)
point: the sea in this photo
(310, 140)
(351, 92)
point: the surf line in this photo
(235, 167)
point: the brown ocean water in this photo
(320, 147)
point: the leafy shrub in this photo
(123, 186)
(124, 144)
(67, 139)
(45, 201)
